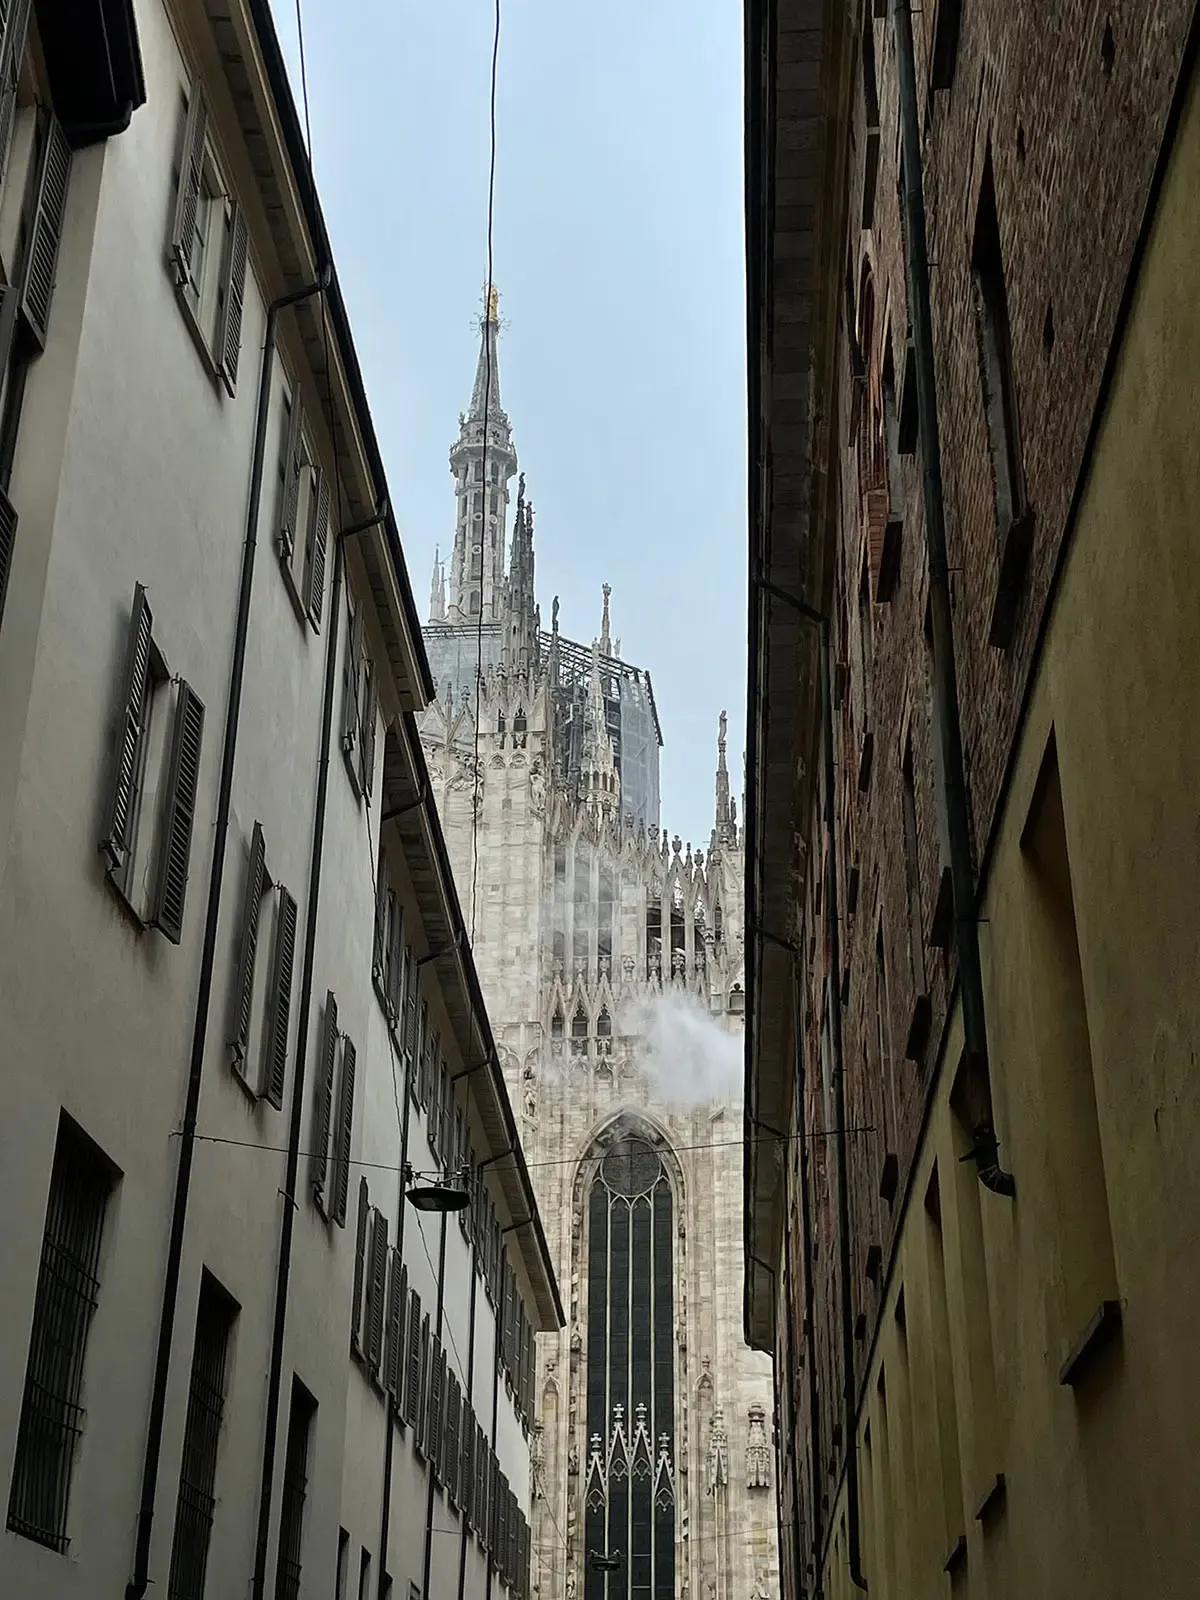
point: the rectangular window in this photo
(1000, 410)
(364, 1575)
(295, 1487)
(208, 246)
(388, 965)
(302, 511)
(943, 1369)
(262, 1004)
(1089, 1308)
(67, 1288)
(151, 803)
(343, 1563)
(201, 1439)
(333, 1117)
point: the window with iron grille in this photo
(51, 1415)
(201, 1438)
(295, 1486)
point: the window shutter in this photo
(422, 1439)
(255, 877)
(116, 841)
(450, 1450)
(437, 1404)
(376, 1291)
(280, 999)
(314, 600)
(323, 1100)
(8, 543)
(350, 683)
(41, 253)
(179, 814)
(482, 1525)
(191, 177)
(14, 26)
(394, 1346)
(395, 957)
(342, 1138)
(466, 1466)
(379, 947)
(411, 1404)
(292, 461)
(229, 335)
(360, 1260)
(370, 711)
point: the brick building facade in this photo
(1056, 171)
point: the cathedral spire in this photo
(483, 461)
(605, 635)
(725, 829)
(601, 786)
(522, 624)
(437, 590)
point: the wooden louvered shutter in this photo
(119, 826)
(323, 1100)
(411, 1405)
(433, 1425)
(379, 945)
(233, 299)
(482, 1525)
(395, 957)
(255, 879)
(453, 1410)
(422, 1434)
(45, 231)
(393, 1358)
(343, 1135)
(280, 1000)
(360, 1266)
(376, 1293)
(369, 711)
(350, 690)
(293, 462)
(179, 813)
(14, 27)
(466, 1463)
(314, 597)
(8, 535)
(191, 181)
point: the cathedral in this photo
(610, 955)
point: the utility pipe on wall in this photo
(945, 683)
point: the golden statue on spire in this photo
(493, 303)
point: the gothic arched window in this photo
(629, 1494)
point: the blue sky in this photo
(618, 256)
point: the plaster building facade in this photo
(236, 1003)
(600, 940)
(971, 851)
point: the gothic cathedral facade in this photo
(593, 929)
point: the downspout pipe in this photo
(292, 1164)
(385, 1518)
(139, 1582)
(427, 1560)
(820, 622)
(814, 1394)
(462, 1554)
(945, 684)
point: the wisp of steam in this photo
(688, 1058)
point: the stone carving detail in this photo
(758, 1451)
(718, 1452)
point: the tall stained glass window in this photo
(629, 1503)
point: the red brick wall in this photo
(1075, 132)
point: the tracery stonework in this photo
(585, 909)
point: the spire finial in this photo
(605, 639)
(724, 817)
(492, 299)
(437, 589)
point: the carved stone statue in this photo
(576, 1340)
(758, 1451)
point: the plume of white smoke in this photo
(688, 1058)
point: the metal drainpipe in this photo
(462, 1556)
(140, 1580)
(292, 1165)
(945, 685)
(441, 1296)
(814, 1396)
(385, 1519)
(849, 1398)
